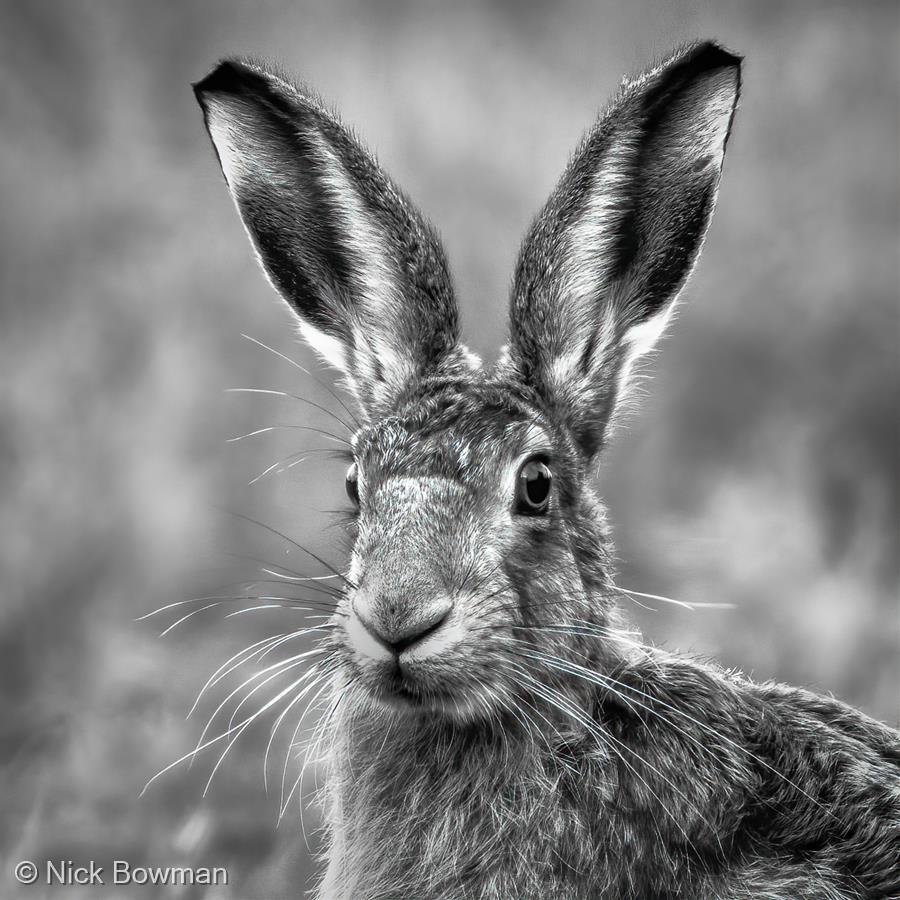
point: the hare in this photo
(496, 733)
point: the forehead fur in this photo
(450, 427)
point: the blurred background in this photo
(761, 470)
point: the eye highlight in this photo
(351, 484)
(533, 488)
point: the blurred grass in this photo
(761, 470)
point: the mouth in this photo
(423, 690)
(396, 688)
(400, 684)
(433, 675)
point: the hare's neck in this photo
(676, 755)
(415, 803)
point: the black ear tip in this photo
(230, 76)
(707, 56)
(690, 64)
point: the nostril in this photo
(425, 627)
(398, 631)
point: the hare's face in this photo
(476, 535)
(479, 540)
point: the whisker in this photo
(288, 396)
(286, 426)
(299, 577)
(582, 629)
(247, 609)
(604, 681)
(296, 459)
(193, 753)
(271, 672)
(275, 727)
(213, 679)
(334, 594)
(337, 701)
(184, 618)
(250, 722)
(272, 468)
(305, 371)
(307, 750)
(555, 698)
(293, 543)
(646, 596)
(250, 609)
(266, 567)
(753, 756)
(303, 632)
(302, 604)
(245, 596)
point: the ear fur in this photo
(363, 271)
(603, 263)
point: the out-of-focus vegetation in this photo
(761, 470)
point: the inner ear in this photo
(361, 268)
(605, 260)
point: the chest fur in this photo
(427, 815)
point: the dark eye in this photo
(533, 488)
(352, 484)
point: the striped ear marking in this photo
(605, 260)
(363, 271)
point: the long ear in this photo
(605, 260)
(363, 271)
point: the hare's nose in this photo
(398, 626)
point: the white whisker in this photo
(680, 603)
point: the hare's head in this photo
(478, 537)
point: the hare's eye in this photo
(533, 488)
(352, 484)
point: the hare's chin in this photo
(462, 702)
